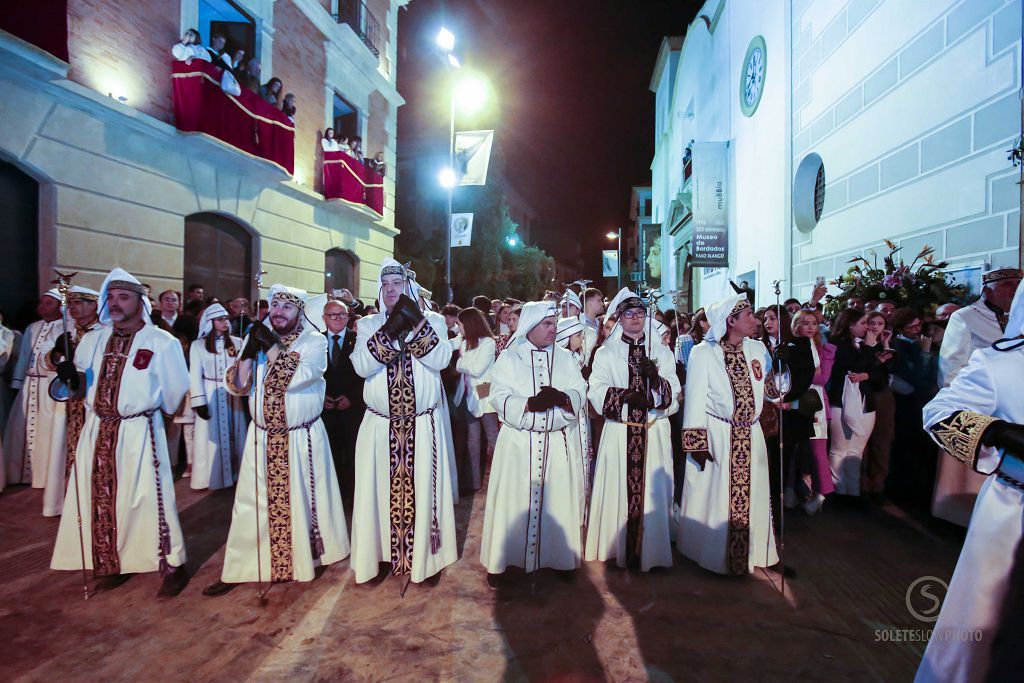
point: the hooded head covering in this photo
(996, 274)
(83, 294)
(567, 327)
(533, 313)
(122, 279)
(52, 293)
(392, 267)
(571, 298)
(1014, 326)
(659, 329)
(718, 315)
(211, 313)
(310, 307)
(623, 300)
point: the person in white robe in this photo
(120, 500)
(83, 308)
(7, 341)
(35, 419)
(570, 336)
(979, 421)
(970, 328)
(725, 521)
(221, 428)
(634, 386)
(288, 518)
(190, 47)
(403, 512)
(532, 516)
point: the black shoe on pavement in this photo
(219, 588)
(494, 581)
(173, 583)
(789, 572)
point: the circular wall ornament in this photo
(754, 68)
(808, 192)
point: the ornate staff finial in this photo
(63, 283)
(259, 278)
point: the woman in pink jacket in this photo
(806, 323)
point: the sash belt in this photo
(316, 540)
(164, 531)
(435, 528)
(733, 423)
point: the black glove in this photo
(202, 411)
(64, 342)
(558, 399)
(404, 316)
(1005, 435)
(68, 374)
(540, 403)
(252, 346)
(265, 337)
(648, 369)
(636, 400)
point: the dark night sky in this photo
(572, 106)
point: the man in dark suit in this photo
(343, 404)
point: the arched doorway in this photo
(341, 271)
(19, 207)
(219, 255)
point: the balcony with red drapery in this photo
(348, 179)
(244, 121)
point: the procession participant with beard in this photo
(130, 371)
(288, 517)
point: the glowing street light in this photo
(469, 94)
(511, 240)
(447, 178)
(453, 61)
(611, 235)
(446, 40)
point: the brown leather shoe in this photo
(173, 583)
(219, 588)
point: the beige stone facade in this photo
(117, 180)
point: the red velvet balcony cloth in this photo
(344, 178)
(374, 190)
(245, 122)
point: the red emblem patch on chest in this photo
(142, 358)
(755, 365)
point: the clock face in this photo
(752, 78)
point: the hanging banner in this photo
(473, 156)
(610, 263)
(710, 240)
(462, 229)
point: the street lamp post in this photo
(617, 236)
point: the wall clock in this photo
(755, 65)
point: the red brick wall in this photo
(123, 47)
(300, 63)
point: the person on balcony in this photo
(288, 106)
(343, 145)
(216, 48)
(250, 77)
(377, 165)
(271, 91)
(231, 64)
(356, 144)
(190, 47)
(328, 142)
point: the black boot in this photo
(173, 583)
(219, 588)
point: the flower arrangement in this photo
(922, 288)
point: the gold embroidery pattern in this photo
(105, 561)
(76, 420)
(636, 459)
(960, 434)
(744, 411)
(695, 439)
(402, 443)
(424, 341)
(279, 509)
(381, 349)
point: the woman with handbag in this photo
(813, 466)
(851, 400)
